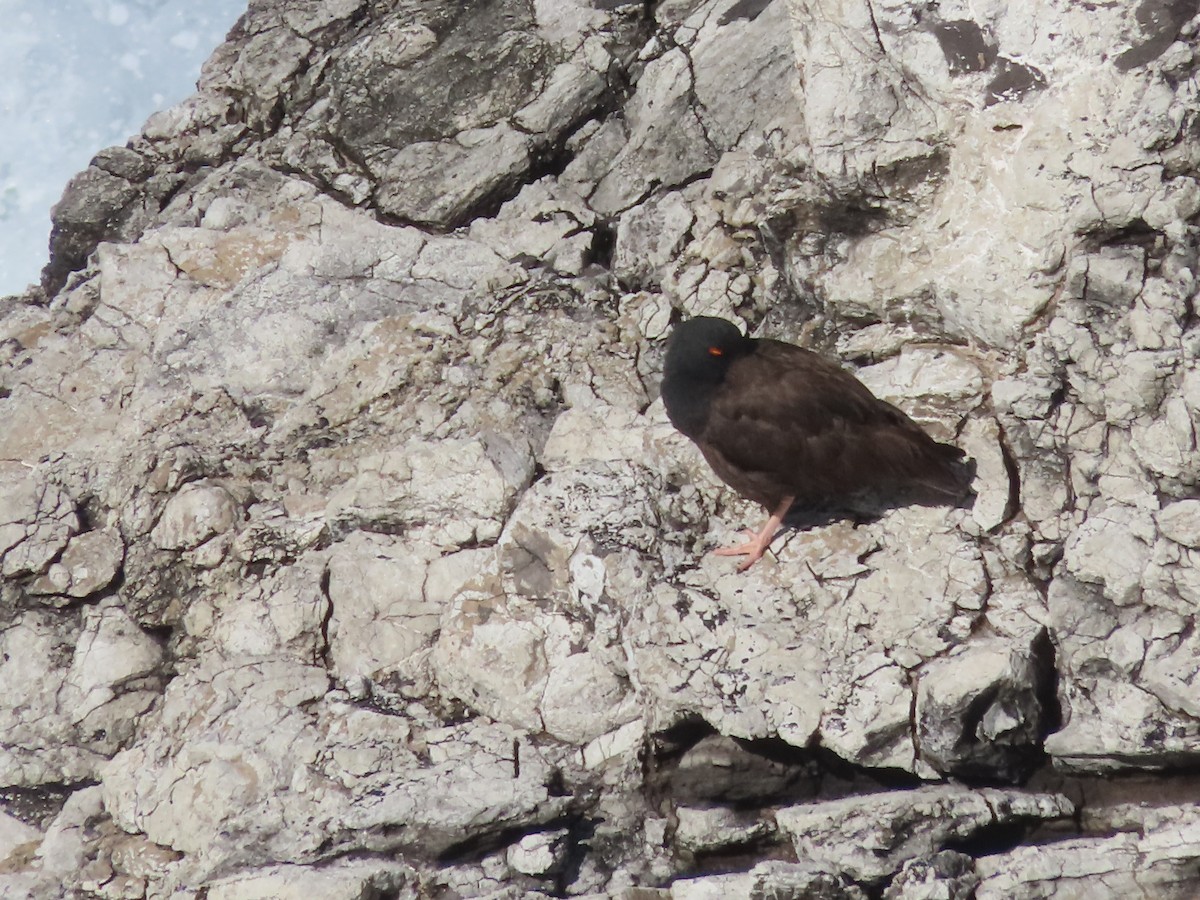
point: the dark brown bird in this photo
(782, 426)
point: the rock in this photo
(68, 843)
(1181, 522)
(285, 613)
(1132, 706)
(520, 664)
(994, 484)
(381, 613)
(1112, 549)
(1159, 862)
(512, 785)
(112, 654)
(344, 541)
(706, 830)
(769, 879)
(649, 236)
(18, 846)
(36, 522)
(97, 205)
(227, 758)
(995, 689)
(89, 564)
(597, 433)
(351, 880)
(41, 744)
(538, 854)
(873, 836)
(456, 492)
(719, 770)
(342, 765)
(947, 875)
(193, 515)
(540, 224)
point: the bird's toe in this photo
(751, 559)
(752, 549)
(750, 545)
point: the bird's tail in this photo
(951, 478)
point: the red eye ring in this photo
(715, 351)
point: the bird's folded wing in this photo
(791, 414)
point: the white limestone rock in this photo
(538, 854)
(593, 433)
(715, 828)
(382, 615)
(112, 654)
(221, 760)
(531, 667)
(89, 564)
(947, 875)
(649, 236)
(37, 519)
(1159, 862)
(1112, 549)
(993, 688)
(452, 492)
(543, 223)
(39, 742)
(198, 512)
(872, 836)
(18, 844)
(773, 878)
(284, 613)
(1180, 522)
(349, 880)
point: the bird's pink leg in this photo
(754, 548)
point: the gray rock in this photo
(991, 694)
(37, 520)
(871, 837)
(1159, 863)
(89, 563)
(75, 693)
(351, 880)
(719, 770)
(539, 854)
(1181, 522)
(718, 828)
(804, 880)
(108, 201)
(381, 613)
(947, 875)
(194, 515)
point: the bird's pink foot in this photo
(752, 549)
(741, 549)
(758, 541)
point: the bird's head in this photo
(702, 349)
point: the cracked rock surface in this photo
(346, 549)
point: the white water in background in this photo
(77, 76)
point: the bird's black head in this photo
(702, 348)
(699, 353)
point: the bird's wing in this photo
(789, 417)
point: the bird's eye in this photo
(715, 351)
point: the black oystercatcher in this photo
(782, 426)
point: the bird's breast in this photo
(688, 403)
